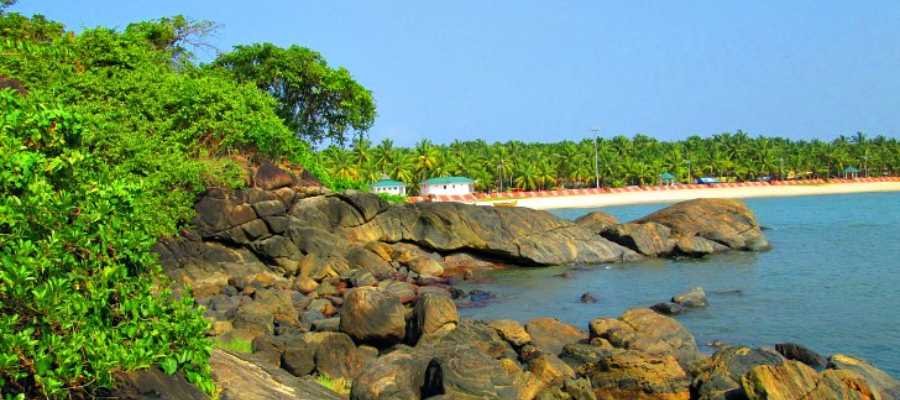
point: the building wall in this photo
(451, 188)
(397, 190)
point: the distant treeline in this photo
(620, 161)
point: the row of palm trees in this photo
(619, 161)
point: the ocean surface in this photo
(830, 282)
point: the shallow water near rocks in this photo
(830, 282)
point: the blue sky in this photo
(552, 70)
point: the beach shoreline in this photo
(661, 194)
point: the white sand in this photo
(614, 199)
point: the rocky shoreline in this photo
(348, 286)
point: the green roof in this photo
(387, 182)
(444, 180)
(666, 176)
(851, 170)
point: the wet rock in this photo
(648, 238)
(587, 298)
(596, 221)
(796, 352)
(882, 382)
(550, 335)
(373, 316)
(667, 308)
(511, 331)
(694, 298)
(477, 295)
(719, 377)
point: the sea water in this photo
(831, 281)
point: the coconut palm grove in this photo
(620, 160)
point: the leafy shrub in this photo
(237, 345)
(78, 300)
(393, 198)
(340, 386)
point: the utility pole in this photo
(596, 159)
(866, 164)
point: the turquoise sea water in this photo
(830, 282)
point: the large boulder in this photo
(373, 316)
(882, 382)
(518, 235)
(793, 351)
(152, 384)
(241, 377)
(649, 238)
(397, 375)
(719, 377)
(460, 371)
(793, 380)
(726, 222)
(550, 335)
(647, 331)
(596, 221)
(269, 177)
(629, 374)
(434, 314)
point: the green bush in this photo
(78, 301)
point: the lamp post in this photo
(596, 159)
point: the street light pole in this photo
(596, 160)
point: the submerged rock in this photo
(667, 308)
(587, 298)
(694, 298)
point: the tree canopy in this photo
(104, 146)
(316, 101)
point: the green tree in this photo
(316, 101)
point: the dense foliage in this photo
(621, 161)
(103, 149)
(318, 102)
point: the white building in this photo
(449, 185)
(389, 186)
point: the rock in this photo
(694, 298)
(719, 377)
(518, 235)
(459, 371)
(242, 378)
(364, 259)
(322, 306)
(275, 247)
(667, 308)
(151, 384)
(596, 221)
(550, 335)
(305, 285)
(632, 374)
(269, 207)
(299, 359)
(426, 266)
(645, 330)
(587, 298)
(882, 382)
(546, 370)
(362, 278)
(373, 316)
(256, 229)
(796, 352)
(795, 380)
(477, 295)
(726, 222)
(579, 389)
(397, 375)
(327, 324)
(336, 355)
(404, 291)
(511, 331)
(649, 238)
(465, 264)
(476, 334)
(435, 313)
(269, 177)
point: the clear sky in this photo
(551, 70)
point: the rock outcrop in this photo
(349, 286)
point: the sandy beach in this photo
(671, 196)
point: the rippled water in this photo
(831, 281)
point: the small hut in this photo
(389, 186)
(851, 172)
(667, 178)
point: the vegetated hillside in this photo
(106, 138)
